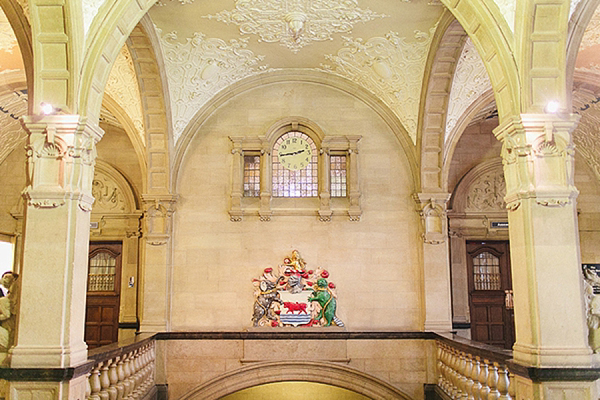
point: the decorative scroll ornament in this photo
(123, 87)
(107, 194)
(469, 83)
(391, 68)
(199, 68)
(293, 295)
(8, 40)
(295, 23)
(487, 192)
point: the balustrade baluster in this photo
(475, 376)
(104, 381)
(462, 379)
(94, 382)
(503, 383)
(120, 378)
(492, 381)
(469, 377)
(127, 381)
(512, 386)
(483, 375)
(455, 375)
(440, 364)
(112, 378)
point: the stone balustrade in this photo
(469, 373)
(123, 373)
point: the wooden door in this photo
(490, 293)
(103, 292)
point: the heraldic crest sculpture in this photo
(293, 295)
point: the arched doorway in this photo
(295, 391)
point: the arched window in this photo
(295, 166)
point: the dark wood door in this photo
(103, 293)
(490, 293)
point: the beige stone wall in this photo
(588, 207)
(405, 364)
(374, 262)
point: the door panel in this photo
(103, 294)
(492, 322)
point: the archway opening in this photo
(295, 391)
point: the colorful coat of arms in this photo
(293, 295)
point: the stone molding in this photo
(432, 209)
(158, 210)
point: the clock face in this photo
(294, 153)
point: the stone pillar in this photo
(157, 265)
(544, 240)
(58, 200)
(324, 184)
(436, 268)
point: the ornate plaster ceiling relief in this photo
(591, 35)
(199, 68)
(295, 23)
(8, 41)
(391, 67)
(90, 10)
(585, 136)
(469, 83)
(508, 9)
(123, 87)
(12, 106)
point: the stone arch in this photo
(22, 30)
(446, 51)
(577, 25)
(460, 197)
(317, 372)
(493, 44)
(481, 103)
(129, 201)
(281, 76)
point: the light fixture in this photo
(47, 108)
(552, 107)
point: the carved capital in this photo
(158, 210)
(432, 209)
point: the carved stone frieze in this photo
(487, 192)
(470, 81)
(8, 40)
(12, 106)
(391, 67)
(295, 24)
(107, 194)
(123, 87)
(199, 68)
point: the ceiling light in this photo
(552, 107)
(47, 108)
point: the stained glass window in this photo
(295, 183)
(252, 176)
(337, 168)
(486, 272)
(101, 277)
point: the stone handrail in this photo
(468, 371)
(124, 370)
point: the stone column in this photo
(436, 268)
(58, 200)
(157, 265)
(544, 240)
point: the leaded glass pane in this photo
(101, 277)
(338, 176)
(251, 176)
(486, 272)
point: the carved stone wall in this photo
(487, 192)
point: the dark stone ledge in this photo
(296, 334)
(562, 374)
(45, 374)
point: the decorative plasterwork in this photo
(591, 36)
(12, 106)
(585, 135)
(487, 192)
(90, 9)
(391, 67)
(199, 68)
(470, 82)
(8, 41)
(295, 23)
(508, 9)
(122, 86)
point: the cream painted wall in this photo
(374, 262)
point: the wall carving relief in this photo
(12, 106)
(391, 67)
(199, 68)
(469, 83)
(123, 87)
(295, 24)
(107, 194)
(487, 192)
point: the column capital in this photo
(158, 209)
(432, 209)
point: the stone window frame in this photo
(323, 206)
